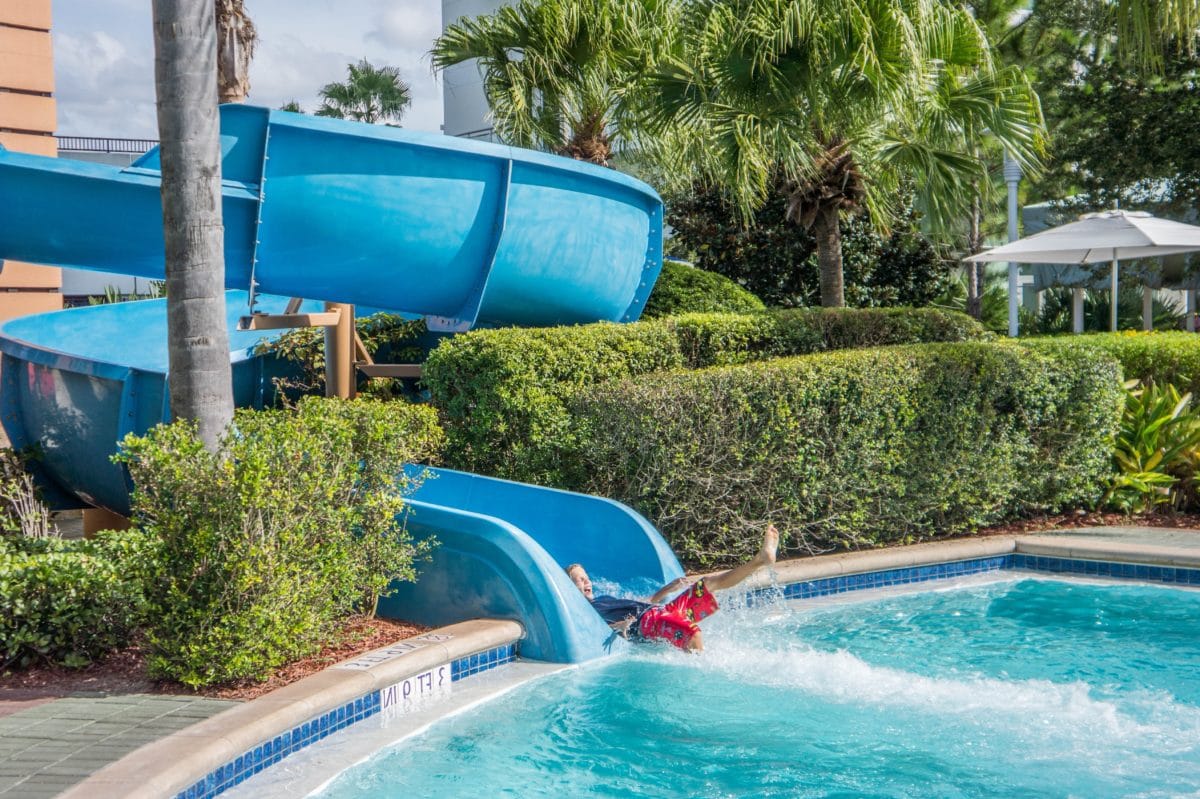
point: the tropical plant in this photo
(1156, 447)
(848, 99)
(557, 73)
(1055, 315)
(370, 94)
(236, 37)
(201, 384)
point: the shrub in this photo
(682, 288)
(68, 602)
(501, 393)
(851, 449)
(1171, 357)
(260, 549)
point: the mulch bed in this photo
(124, 671)
(1078, 519)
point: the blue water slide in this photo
(465, 233)
(76, 382)
(502, 549)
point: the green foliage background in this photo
(776, 259)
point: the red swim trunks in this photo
(677, 620)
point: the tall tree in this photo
(185, 82)
(370, 94)
(556, 73)
(846, 98)
(236, 37)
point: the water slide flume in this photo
(463, 233)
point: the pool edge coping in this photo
(172, 764)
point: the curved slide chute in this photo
(463, 233)
(502, 547)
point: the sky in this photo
(104, 58)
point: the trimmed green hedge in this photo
(851, 449)
(67, 602)
(1164, 357)
(682, 288)
(501, 393)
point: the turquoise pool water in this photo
(1016, 688)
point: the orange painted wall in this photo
(28, 119)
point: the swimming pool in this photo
(1018, 686)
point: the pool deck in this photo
(101, 746)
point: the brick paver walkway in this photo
(48, 748)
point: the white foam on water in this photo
(1070, 717)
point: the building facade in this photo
(464, 106)
(28, 117)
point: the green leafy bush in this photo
(501, 393)
(682, 288)
(850, 449)
(1161, 357)
(68, 602)
(260, 549)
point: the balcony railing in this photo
(96, 144)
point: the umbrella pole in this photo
(1114, 295)
(1014, 294)
(1077, 310)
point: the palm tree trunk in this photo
(829, 256)
(974, 270)
(185, 70)
(235, 48)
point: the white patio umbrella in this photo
(1099, 237)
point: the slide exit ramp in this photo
(502, 549)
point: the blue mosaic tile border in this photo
(1100, 568)
(271, 752)
(905, 576)
(962, 568)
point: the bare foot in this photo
(770, 546)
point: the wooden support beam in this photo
(390, 369)
(360, 350)
(264, 321)
(339, 352)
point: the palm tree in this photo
(557, 72)
(843, 99)
(201, 384)
(370, 94)
(236, 37)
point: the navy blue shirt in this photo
(615, 609)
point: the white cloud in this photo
(105, 58)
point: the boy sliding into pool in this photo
(678, 620)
